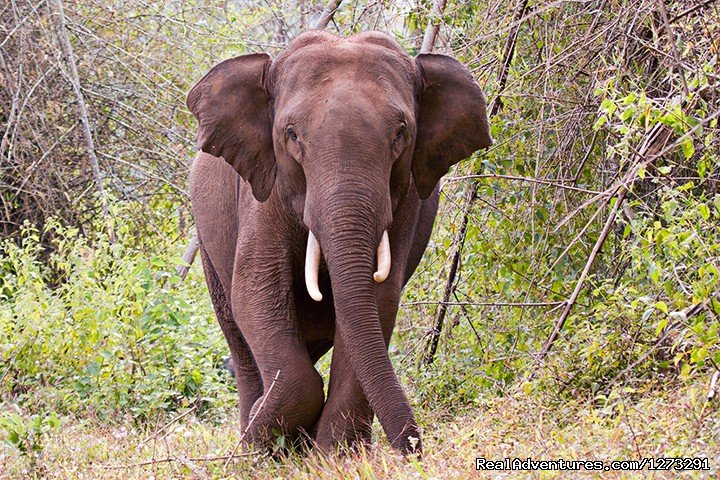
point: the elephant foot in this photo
(284, 445)
(346, 433)
(281, 418)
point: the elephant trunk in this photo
(312, 264)
(351, 232)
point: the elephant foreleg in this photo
(346, 418)
(247, 375)
(292, 396)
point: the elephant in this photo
(314, 193)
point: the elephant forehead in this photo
(345, 103)
(354, 63)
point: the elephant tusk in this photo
(312, 265)
(383, 259)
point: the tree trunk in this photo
(58, 19)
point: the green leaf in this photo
(662, 306)
(699, 354)
(627, 114)
(686, 186)
(661, 326)
(14, 438)
(602, 120)
(704, 211)
(158, 262)
(179, 261)
(688, 148)
(608, 106)
(93, 369)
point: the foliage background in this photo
(106, 332)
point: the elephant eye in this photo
(400, 133)
(292, 134)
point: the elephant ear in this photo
(452, 119)
(232, 106)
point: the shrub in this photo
(105, 330)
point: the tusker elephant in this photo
(317, 217)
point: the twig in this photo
(691, 10)
(168, 425)
(488, 304)
(673, 46)
(508, 54)
(541, 181)
(177, 459)
(600, 196)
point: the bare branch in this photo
(433, 27)
(489, 304)
(471, 196)
(691, 10)
(327, 14)
(673, 46)
(541, 181)
(653, 144)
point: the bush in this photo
(106, 330)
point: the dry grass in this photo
(674, 424)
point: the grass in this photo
(673, 423)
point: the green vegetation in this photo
(605, 116)
(106, 331)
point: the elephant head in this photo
(341, 131)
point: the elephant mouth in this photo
(312, 264)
